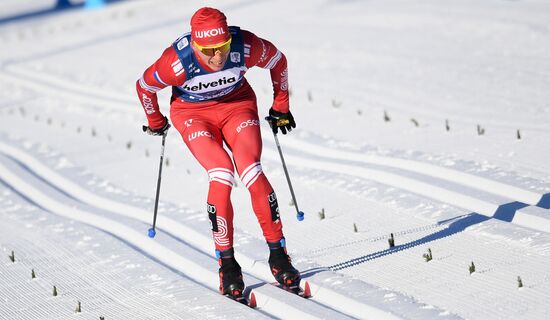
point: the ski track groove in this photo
(48, 268)
(76, 212)
(426, 189)
(96, 201)
(466, 179)
(263, 300)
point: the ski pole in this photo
(151, 231)
(299, 214)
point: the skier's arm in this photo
(262, 53)
(161, 74)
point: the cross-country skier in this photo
(211, 104)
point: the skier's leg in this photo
(204, 141)
(242, 134)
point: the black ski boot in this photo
(281, 267)
(231, 277)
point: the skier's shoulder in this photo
(169, 55)
(168, 68)
(249, 37)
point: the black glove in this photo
(277, 119)
(157, 132)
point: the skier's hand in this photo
(283, 120)
(158, 132)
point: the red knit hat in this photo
(209, 27)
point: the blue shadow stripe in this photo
(61, 5)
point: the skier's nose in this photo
(218, 57)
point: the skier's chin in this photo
(215, 66)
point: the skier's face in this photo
(217, 61)
(215, 58)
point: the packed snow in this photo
(424, 122)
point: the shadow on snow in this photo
(505, 212)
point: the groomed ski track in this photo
(271, 300)
(258, 270)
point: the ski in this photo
(250, 301)
(248, 298)
(297, 290)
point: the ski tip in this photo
(151, 233)
(307, 290)
(252, 300)
(300, 216)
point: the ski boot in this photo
(281, 268)
(231, 277)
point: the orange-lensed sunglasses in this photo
(211, 50)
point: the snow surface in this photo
(78, 177)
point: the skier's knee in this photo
(222, 175)
(251, 174)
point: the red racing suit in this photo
(207, 117)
